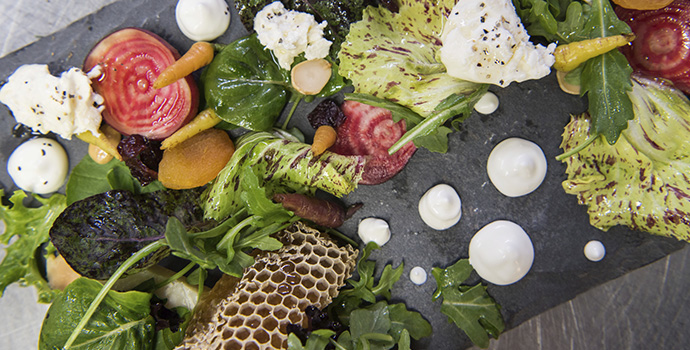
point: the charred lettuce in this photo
(642, 180)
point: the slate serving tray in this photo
(535, 110)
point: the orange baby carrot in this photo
(199, 55)
(323, 138)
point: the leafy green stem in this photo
(292, 111)
(176, 276)
(109, 285)
(453, 105)
(233, 232)
(591, 138)
(340, 235)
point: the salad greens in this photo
(29, 228)
(247, 88)
(605, 78)
(122, 321)
(373, 322)
(280, 165)
(641, 181)
(469, 307)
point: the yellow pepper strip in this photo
(206, 119)
(570, 56)
(101, 141)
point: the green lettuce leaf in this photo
(29, 227)
(641, 181)
(469, 307)
(122, 320)
(393, 56)
(280, 164)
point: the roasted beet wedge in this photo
(131, 60)
(370, 131)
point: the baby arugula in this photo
(364, 309)
(605, 78)
(470, 307)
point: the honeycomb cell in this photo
(307, 270)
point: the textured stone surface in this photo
(645, 309)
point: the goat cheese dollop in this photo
(39, 165)
(485, 42)
(65, 105)
(290, 33)
(202, 20)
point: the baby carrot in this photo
(323, 138)
(206, 119)
(570, 56)
(199, 55)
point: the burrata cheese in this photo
(65, 105)
(485, 42)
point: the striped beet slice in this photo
(131, 60)
(370, 131)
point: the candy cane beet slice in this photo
(370, 131)
(131, 59)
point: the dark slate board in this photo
(535, 110)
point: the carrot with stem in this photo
(199, 55)
(323, 139)
(206, 119)
(570, 56)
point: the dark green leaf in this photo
(95, 235)
(469, 307)
(473, 311)
(403, 320)
(404, 342)
(317, 340)
(452, 276)
(245, 86)
(27, 230)
(122, 321)
(167, 339)
(388, 277)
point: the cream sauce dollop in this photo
(202, 20)
(39, 165)
(501, 252)
(516, 167)
(440, 207)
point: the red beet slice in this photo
(370, 131)
(131, 60)
(662, 46)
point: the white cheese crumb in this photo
(485, 42)
(65, 105)
(290, 33)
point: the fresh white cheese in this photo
(65, 105)
(39, 165)
(290, 33)
(485, 42)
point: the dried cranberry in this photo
(326, 113)
(141, 156)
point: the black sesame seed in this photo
(43, 152)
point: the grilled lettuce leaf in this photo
(641, 181)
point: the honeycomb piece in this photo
(308, 270)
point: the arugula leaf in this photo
(606, 78)
(369, 327)
(29, 227)
(122, 320)
(89, 178)
(317, 340)
(470, 308)
(405, 321)
(393, 56)
(641, 180)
